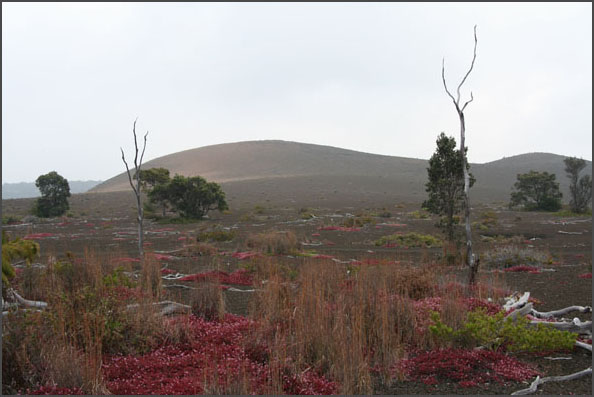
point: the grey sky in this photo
(358, 76)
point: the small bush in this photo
(412, 239)
(359, 221)
(218, 235)
(508, 256)
(420, 214)
(273, 243)
(493, 331)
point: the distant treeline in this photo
(28, 189)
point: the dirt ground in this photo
(105, 222)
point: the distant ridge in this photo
(297, 167)
(28, 189)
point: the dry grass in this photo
(207, 300)
(274, 243)
(347, 326)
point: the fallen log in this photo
(576, 325)
(556, 313)
(522, 311)
(513, 302)
(167, 307)
(583, 345)
(538, 381)
(26, 302)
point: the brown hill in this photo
(281, 171)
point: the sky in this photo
(359, 76)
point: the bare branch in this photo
(444, 82)
(128, 171)
(143, 147)
(135, 145)
(471, 66)
(470, 100)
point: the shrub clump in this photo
(412, 239)
(494, 331)
(273, 243)
(219, 235)
(508, 256)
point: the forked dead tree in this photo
(136, 189)
(470, 260)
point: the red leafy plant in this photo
(523, 269)
(213, 362)
(238, 277)
(466, 367)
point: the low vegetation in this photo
(412, 239)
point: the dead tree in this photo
(136, 189)
(470, 260)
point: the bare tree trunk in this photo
(470, 261)
(136, 189)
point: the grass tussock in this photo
(273, 243)
(350, 327)
(412, 239)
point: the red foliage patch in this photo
(466, 367)
(239, 277)
(167, 271)
(323, 256)
(38, 235)
(523, 268)
(394, 224)
(213, 363)
(585, 275)
(54, 390)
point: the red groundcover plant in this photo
(466, 367)
(215, 361)
(238, 277)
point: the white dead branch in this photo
(538, 381)
(26, 302)
(576, 325)
(562, 232)
(514, 301)
(560, 312)
(167, 307)
(583, 345)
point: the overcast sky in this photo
(359, 76)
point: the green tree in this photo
(580, 189)
(536, 191)
(154, 181)
(153, 177)
(54, 195)
(446, 184)
(192, 197)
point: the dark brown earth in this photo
(100, 222)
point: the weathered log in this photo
(513, 302)
(576, 325)
(538, 381)
(167, 307)
(26, 302)
(583, 345)
(522, 311)
(556, 313)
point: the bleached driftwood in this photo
(514, 302)
(576, 325)
(562, 232)
(26, 302)
(167, 307)
(538, 381)
(583, 345)
(522, 311)
(560, 312)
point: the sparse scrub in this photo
(218, 235)
(422, 214)
(513, 255)
(207, 300)
(359, 221)
(273, 243)
(412, 239)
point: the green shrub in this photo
(412, 239)
(420, 214)
(481, 329)
(219, 235)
